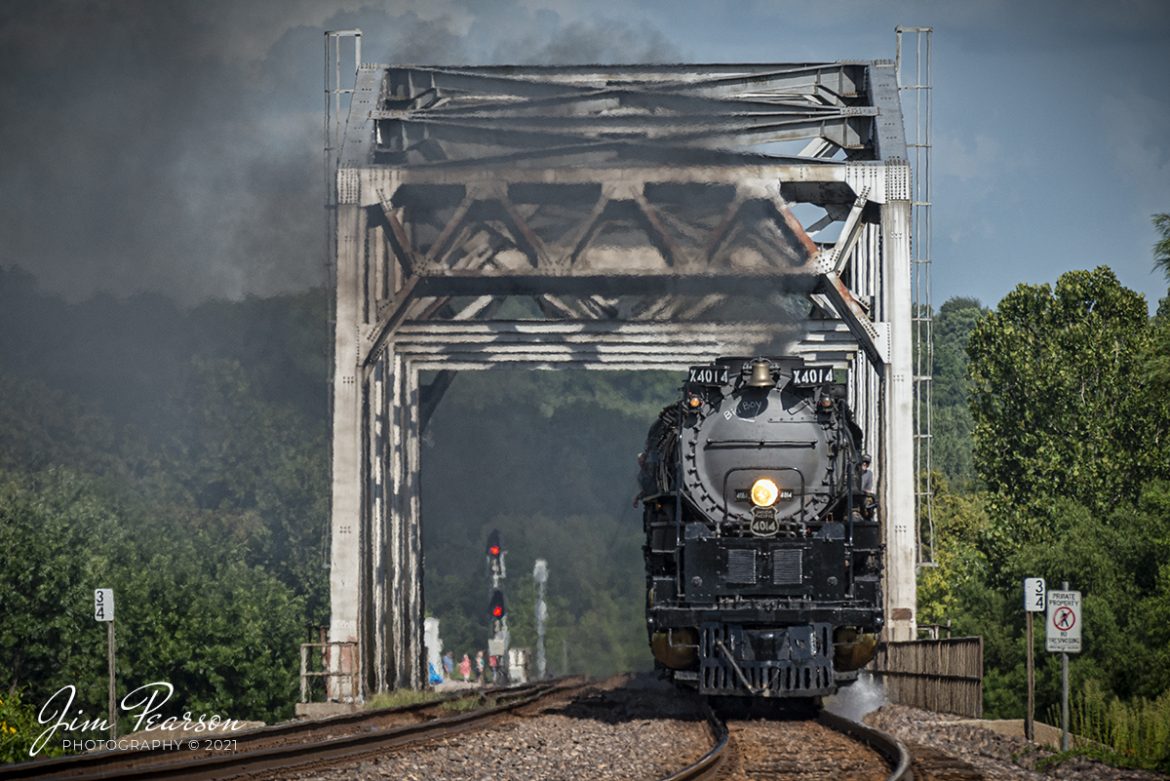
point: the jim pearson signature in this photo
(142, 704)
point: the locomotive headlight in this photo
(764, 492)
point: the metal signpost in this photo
(1063, 632)
(540, 575)
(103, 610)
(1033, 603)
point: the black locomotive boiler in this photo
(763, 552)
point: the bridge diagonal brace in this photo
(393, 315)
(720, 231)
(553, 307)
(818, 147)
(674, 255)
(526, 235)
(875, 344)
(579, 242)
(440, 247)
(655, 308)
(399, 241)
(833, 260)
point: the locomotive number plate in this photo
(812, 377)
(764, 524)
(708, 375)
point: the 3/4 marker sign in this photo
(1063, 627)
(103, 604)
(1034, 595)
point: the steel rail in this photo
(83, 763)
(889, 748)
(708, 765)
(146, 764)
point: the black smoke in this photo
(176, 147)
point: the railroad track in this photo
(329, 741)
(828, 746)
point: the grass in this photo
(1134, 734)
(400, 698)
(464, 704)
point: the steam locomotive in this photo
(763, 548)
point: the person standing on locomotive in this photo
(865, 486)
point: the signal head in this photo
(497, 608)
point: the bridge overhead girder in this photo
(655, 217)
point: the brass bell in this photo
(761, 374)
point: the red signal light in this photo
(494, 550)
(497, 607)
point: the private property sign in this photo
(1063, 628)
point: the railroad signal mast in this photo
(497, 607)
(495, 558)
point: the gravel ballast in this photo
(622, 734)
(993, 756)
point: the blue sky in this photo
(174, 147)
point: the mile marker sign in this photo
(1034, 595)
(1063, 628)
(103, 604)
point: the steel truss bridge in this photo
(640, 217)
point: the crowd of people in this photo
(482, 669)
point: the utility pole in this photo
(540, 575)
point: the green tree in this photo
(952, 424)
(1071, 440)
(1162, 247)
(1158, 360)
(19, 729)
(1060, 403)
(259, 466)
(946, 590)
(191, 611)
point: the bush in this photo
(1130, 734)
(18, 729)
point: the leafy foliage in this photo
(1129, 734)
(1162, 247)
(952, 424)
(1060, 403)
(19, 729)
(1071, 441)
(177, 457)
(189, 609)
